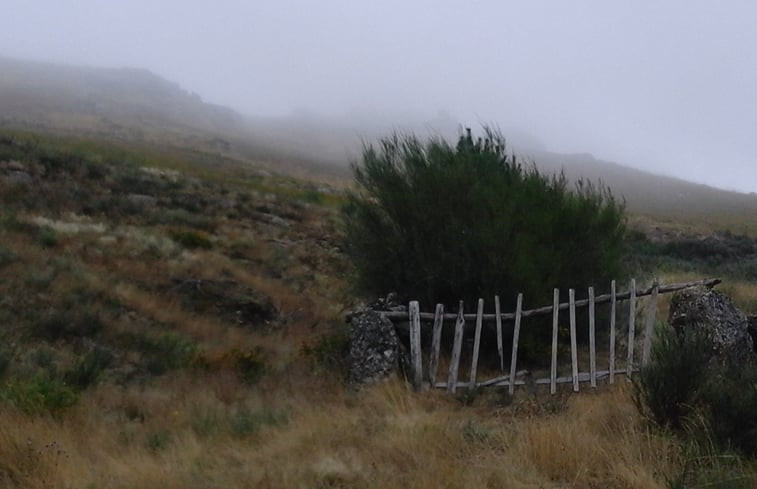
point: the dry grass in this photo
(200, 423)
(181, 433)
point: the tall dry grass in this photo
(185, 432)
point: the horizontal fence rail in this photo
(510, 379)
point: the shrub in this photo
(439, 223)
(730, 398)
(39, 395)
(191, 239)
(88, 368)
(667, 388)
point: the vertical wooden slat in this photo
(516, 335)
(631, 328)
(592, 341)
(476, 345)
(553, 369)
(613, 302)
(415, 344)
(651, 313)
(573, 345)
(500, 349)
(436, 340)
(457, 346)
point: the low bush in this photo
(39, 395)
(191, 239)
(667, 388)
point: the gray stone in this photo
(142, 200)
(714, 311)
(374, 347)
(19, 177)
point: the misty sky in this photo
(668, 86)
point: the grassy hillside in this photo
(175, 320)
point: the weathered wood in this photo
(600, 299)
(500, 349)
(651, 313)
(555, 313)
(516, 337)
(415, 344)
(592, 341)
(457, 346)
(436, 340)
(612, 332)
(631, 325)
(504, 380)
(573, 344)
(476, 344)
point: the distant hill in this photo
(123, 103)
(136, 105)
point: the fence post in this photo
(456, 347)
(436, 341)
(631, 329)
(476, 345)
(592, 341)
(573, 345)
(415, 344)
(649, 326)
(516, 335)
(613, 302)
(500, 349)
(553, 369)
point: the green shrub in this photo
(47, 237)
(329, 351)
(72, 323)
(88, 368)
(247, 422)
(191, 239)
(730, 397)
(439, 223)
(163, 352)
(39, 395)
(668, 387)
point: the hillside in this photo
(136, 106)
(122, 103)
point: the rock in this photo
(142, 200)
(714, 311)
(374, 347)
(19, 177)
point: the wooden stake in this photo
(500, 350)
(573, 345)
(592, 341)
(555, 313)
(631, 328)
(612, 332)
(415, 344)
(651, 312)
(516, 335)
(456, 348)
(436, 341)
(476, 345)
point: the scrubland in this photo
(177, 321)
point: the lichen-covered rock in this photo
(374, 347)
(714, 311)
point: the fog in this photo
(669, 87)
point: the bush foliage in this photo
(440, 223)
(686, 389)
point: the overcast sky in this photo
(668, 86)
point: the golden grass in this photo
(179, 433)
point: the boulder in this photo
(375, 351)
(701, 307)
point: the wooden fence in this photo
(416, 318)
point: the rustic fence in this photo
(416, 318)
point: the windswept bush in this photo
(440, 223)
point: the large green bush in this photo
(440, 223)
